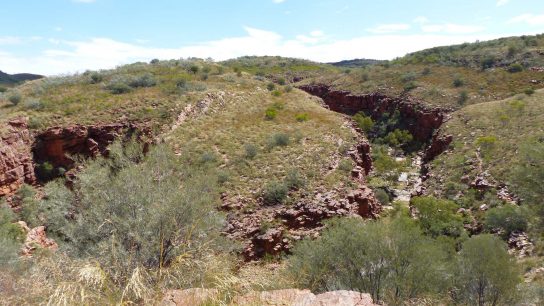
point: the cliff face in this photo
(57, 145)
(20, 150)
(419, 119)
(16, 164)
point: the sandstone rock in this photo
(36, 238)
(58, 145)
(282, 297)
(368, 207)
(189, 297)
(16, 164)
(439, 144)
(520, 244)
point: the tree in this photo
(438, 217)
(131, 211)
(391, 260)
(486, 274)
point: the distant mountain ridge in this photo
(6, 78)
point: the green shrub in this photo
(96, 77)
(463, 97)
(294, 180)
(154, 61)
(146, 80)
(194, 69)
(45, 171)
(364, 122)
(288, 88)
(3, 89)
(250, 151)
(529, 91)
(382, 196)
(280, 139)
(345, 165)
(458, 82)
(302, 117)
(119, 85)
(392, 261)
(410, 86)
(270, 113)
(486, 274)
(33, 104)
(270, 86)
(15, 98)
(488, 62)
(506, 219)
(426, 71)
(275, 193)
(398, 138)
(208, 157)
(513, 68)
(438, 217)
(276, 93)
(486, 143)
(281, 81)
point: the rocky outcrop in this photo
(16, 165)
(367, 205)
(361, 155)
(58, 145)
(418, 118)
(283, 297)
(439, 144)
(36, 239)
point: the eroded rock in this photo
(16, 164)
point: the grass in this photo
(311, 146)
(498, 128)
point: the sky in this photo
(55, 37)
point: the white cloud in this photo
(278, 1)
(84, 1)
(530, 19)
(102, 53)
(502, 2)
(421, 20)
(317, 33)
(389, 28)
(10, 40)
(451, 28)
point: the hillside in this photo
(401, 179)
(10, 79)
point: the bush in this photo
(280, 139)
(288, 88)
(426, 71)
(488, 62)
(194, 69)
(294, 180)
(15, 98)
(463, 97)
(154, 61)
(276, 93)
(529, 91)
(146, 214)
(3, 89)
(302, 117)
(345, 165)
(382, 196)
(96, 77)
(392, 261)
(458, 82)
(270, 86)
(33, 104)
(398, 138)
(485, 274)
(146, 80)
(281, 81)
(251, 151)
(486, 143)
(438, 217)
(513, 68)
(506, 219)
(270, 113)
(118, 86)
(364, 122)
(275, 193)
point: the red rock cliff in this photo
(420, 119)
(16, 165)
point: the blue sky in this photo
(66, 36)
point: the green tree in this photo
(437, 216)
(507, 219)
(392, 260)
(486, 274)
(364, 122)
